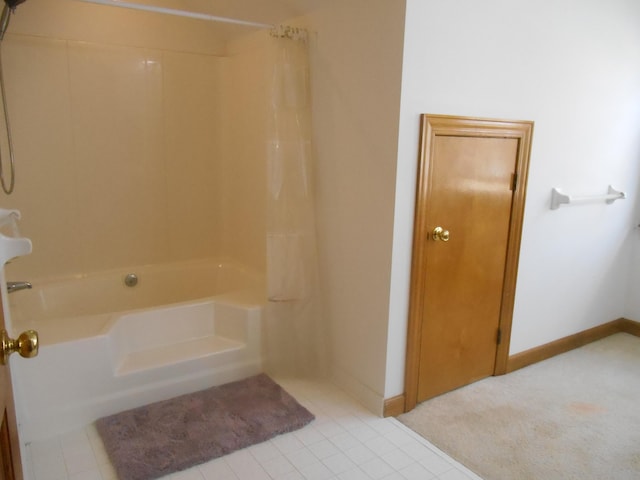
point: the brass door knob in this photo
(26, 345)
(440, 233)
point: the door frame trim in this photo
(431, 126)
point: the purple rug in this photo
(165, 437)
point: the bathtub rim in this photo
(255, 283)
(81, 327)
(217, 262)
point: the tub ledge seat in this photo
(188, 350)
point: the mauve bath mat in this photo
(172, 435)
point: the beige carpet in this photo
(575, 416)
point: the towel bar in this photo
(558, 197)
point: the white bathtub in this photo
(106, 347)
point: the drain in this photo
(131, 280)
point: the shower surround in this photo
(133, 153)
(135, 156)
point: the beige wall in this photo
(244, 182)
(74, 20)
(356, 67)
(131, 154)
(95, 198)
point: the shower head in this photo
(9, 6)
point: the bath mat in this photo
(172, 435)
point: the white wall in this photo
(573, 67)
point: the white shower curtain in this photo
(295, 331)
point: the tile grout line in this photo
(345, 442)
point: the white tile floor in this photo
(345, 442)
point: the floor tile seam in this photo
(454, 464)
(71, 468)
(351, 466)
(421, 439)
(71, 455)
(380, 428)
(38, 452)
(276, 451)
(295, 463)
(325, 461)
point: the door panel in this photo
(11, 467)
(6, 469)
(472, 183)
(470, 196)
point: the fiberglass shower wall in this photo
(128, 151)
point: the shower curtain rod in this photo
(179, 13)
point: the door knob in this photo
(26, 345)
(440, 233)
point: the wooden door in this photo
(471, 181)
(11, 467)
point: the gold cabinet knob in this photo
(440, 233)
(26, 345)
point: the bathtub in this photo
(107, 347)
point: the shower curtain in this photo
(295, 332)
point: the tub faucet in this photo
(15, 286)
